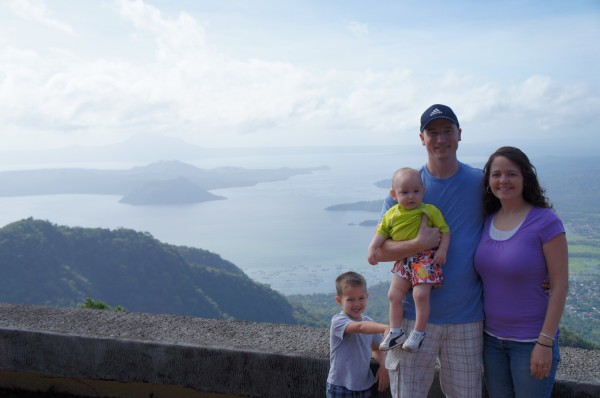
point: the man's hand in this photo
(372, 256)
(428, 238)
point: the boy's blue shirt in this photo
(350, 354)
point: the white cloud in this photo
(357, 29)
(188, 86)
(36, 11)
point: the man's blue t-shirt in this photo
(460, 199)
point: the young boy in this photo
(353, 336)
(421, 272)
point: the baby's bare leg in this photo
(421, 296)
(398, 289)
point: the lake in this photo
(279, 233)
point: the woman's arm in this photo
(557, 260)
(557, 257)
(427, 238)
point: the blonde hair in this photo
(401, 171)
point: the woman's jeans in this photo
(507, 369)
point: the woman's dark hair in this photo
(533, 193)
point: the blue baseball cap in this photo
(438, 111)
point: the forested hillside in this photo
(45, 264)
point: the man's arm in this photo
(427, 238)
(376, 243)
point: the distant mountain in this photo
(170, 192)
(164, 182)
(46, 264)
(373, 206)
(365, 205)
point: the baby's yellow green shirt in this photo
(401, 224)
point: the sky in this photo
(252, 73)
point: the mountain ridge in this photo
(45, 264)
(142, 183)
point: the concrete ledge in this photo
(93, 353)
(203, 369)
(32, 385)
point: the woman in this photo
(523, 243)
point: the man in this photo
(454, 333)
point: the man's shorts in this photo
(419, 269)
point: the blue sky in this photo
(281, 73)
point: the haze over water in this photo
(279, 232)
(219, 74)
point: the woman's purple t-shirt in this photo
(512, 272)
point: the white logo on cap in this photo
(435, 112)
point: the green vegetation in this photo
(570, 339)
(582, 221)
(583, 304)
(100, 305)
(45, 264)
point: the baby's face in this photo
(408, 190)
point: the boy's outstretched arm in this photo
(367, 327)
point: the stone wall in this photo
(94, 353)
